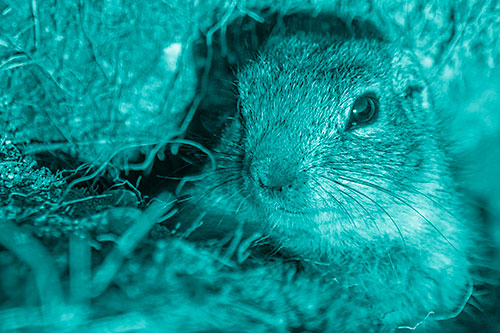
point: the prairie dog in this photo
(336, 153)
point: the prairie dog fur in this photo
(336, 153)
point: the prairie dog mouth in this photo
(270, 205)
(303, 211)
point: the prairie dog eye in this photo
(363, 111)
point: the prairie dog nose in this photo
(273, 172)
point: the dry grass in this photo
(108, 85)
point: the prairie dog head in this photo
(336, 143)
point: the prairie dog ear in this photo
(409, 80)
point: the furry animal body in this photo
(336, 155)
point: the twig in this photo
(79, 268)
(128, 241)
(34, 12)
(34, 254)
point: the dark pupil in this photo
(362, 110)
